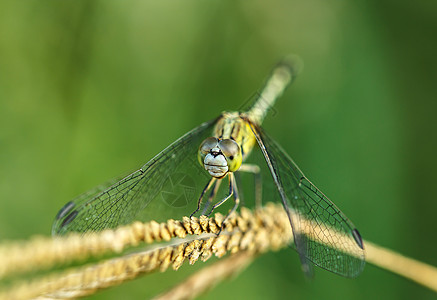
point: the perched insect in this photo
(168, 184)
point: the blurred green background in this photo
(92, 89)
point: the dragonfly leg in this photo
(236, 200)
(211, 196)
(256, 171)
(231, 192)
(238, 183)
(207, 187)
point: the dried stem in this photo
(246, 234)
(412, 269)
(43, 252)
(206, 278)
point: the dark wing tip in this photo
(65, 216)
(69, 218)
(357, 238)
(65, 210)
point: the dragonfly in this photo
(176, 181)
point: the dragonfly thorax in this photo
(220, 156)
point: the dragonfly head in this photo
(219, 157)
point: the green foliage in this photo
(92, 89)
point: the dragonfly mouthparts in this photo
(216, 165)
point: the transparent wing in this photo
(322, 233)
(165, 187)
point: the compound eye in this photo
(229, 148)
(208, 144)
